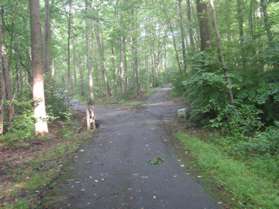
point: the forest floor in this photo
(28, 167)
(131, 163)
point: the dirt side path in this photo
(130, 164)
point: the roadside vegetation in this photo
(250, 182)
(232, 89)
(29, 163)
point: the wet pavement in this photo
(130, 164)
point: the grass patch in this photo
(251, 190)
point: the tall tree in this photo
(190, 23)
(69, 39)
(203, 16)
(47, 38)
(101, 50)
(90, 112)
(6, 70)
(182, 34)
(122, 70)
(2, 97)
(240, 18)
(2, 83)
(267, 26)
(135, 50)
(41, 127)
(220, 50)
(252, 18)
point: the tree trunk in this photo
(252, 19)
(114, 68)
(189, 16)
(6, 71)
(175, 48)
(135, 52)
(47, 38)
(89, 54)
(123, 66)
(2, 97)
(90, 112)
(1, 115)
(102, 58)
(203, 16)
(81, 78)
(220, 51)
(182, 32)
(240, 19)
(74, 67)
(69, 76)
(267, 25)
(41, 127)
(173, 40)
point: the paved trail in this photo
(114, 170)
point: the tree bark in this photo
(69, 39)
(123, 66)
(90, 112)
(2, 97)
(1, 115)
(47, 38)
(267, 25)
(113, 63)
(175, 47)
(182, 33)
(252, 19)
(81, 77)
(240, 19)
(135, 52)
(6, 71)
(89, 54)
(203, 16)
(189, 16)
(41, 127)
(220, 51)
(102, 58)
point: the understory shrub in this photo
(238, 119)
(57, 101)
(22, 128)
(256, 95)
(264, 143)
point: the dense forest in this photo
(221, 56)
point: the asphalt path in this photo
(130, 164)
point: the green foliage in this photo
(22, 128)
(271, 55)
(256, 96)
(264, 143)
(156, 161)
(20, 204)
(204, 88)
(57, 100)
(23, 123)
(238, 119)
